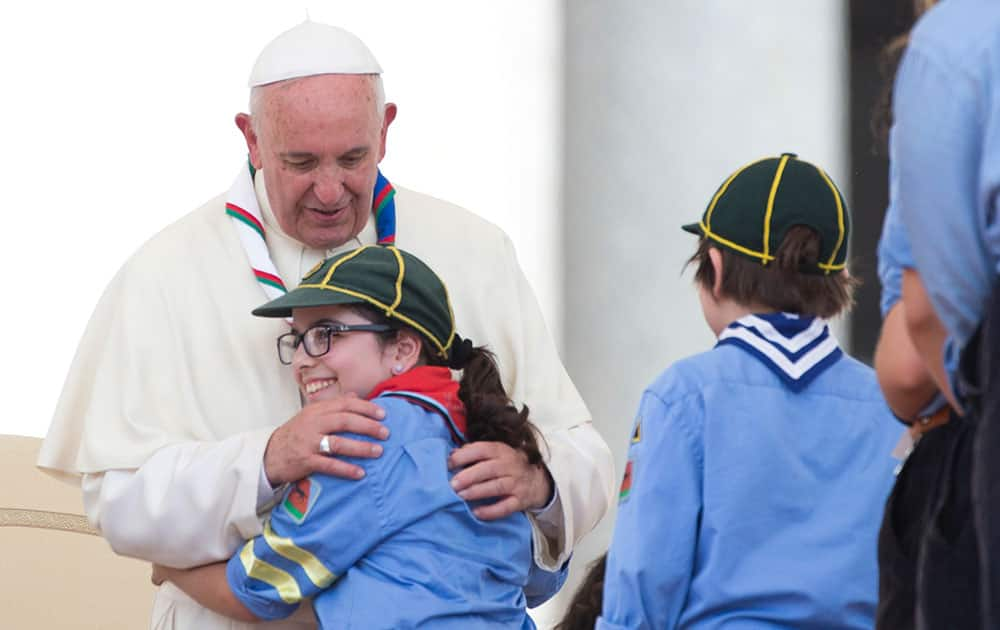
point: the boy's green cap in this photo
(756, 205)
(395, 282)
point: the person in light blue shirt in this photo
(910, 389)
(945, 145)
(894, 255)
(398, 548)
(757, 470)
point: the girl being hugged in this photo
(397, 548)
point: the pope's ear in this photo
(387, 118)
(245, 124)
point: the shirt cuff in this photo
(552, 500)
(547, 533)
(935, 405)
(267, 496)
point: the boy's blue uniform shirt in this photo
(751, 505)
(395, 549)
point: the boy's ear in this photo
(715, 255)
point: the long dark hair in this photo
(585, 607)
(491, 416)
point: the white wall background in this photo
(117, 119)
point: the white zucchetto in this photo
(309, 49)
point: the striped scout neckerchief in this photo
(242, 207)
(797, 348)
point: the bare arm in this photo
(208, 586)
(926, 331)
(904, 378)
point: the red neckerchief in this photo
(434, 382)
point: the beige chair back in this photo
(57, 572)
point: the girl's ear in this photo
(715, 255)
(405, 351)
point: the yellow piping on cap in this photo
(442, 348)
(765, 258)
(333, 267)
(722, 189)
(314, 269)
(389, 309)
(829, 266)
(399, 281)
(770, 208)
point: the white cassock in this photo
(176, 388)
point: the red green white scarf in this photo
(242, 207)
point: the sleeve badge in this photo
(301, 498)
(626, 488)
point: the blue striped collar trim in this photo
(797, 348)
(430, 402)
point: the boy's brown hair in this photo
(782, 285)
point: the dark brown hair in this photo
(585, 607)
(889, 60)
(783, 284)
(490, 414)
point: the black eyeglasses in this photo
(316, 339)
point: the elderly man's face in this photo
(318, 142)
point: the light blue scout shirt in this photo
(754, 490)
(894, 253)
(945, 143)
(397, 549)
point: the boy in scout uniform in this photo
(757, 470)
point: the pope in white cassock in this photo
(177, 418)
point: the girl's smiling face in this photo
(357, 360)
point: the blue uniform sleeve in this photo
(322, 526)
(543, 584)
(893, 255)
(651, 559)
(938, 143)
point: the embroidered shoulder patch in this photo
(626, 488)
(300, 499)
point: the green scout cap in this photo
(395, 282)
(756, 205)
